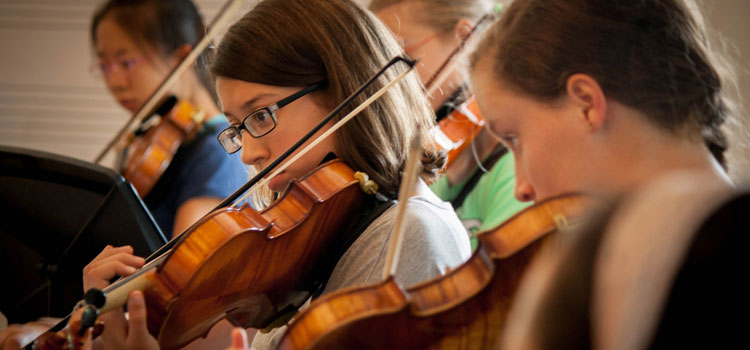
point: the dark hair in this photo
(161, 25)
(300, 42)
(651, 55)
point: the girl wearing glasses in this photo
(137, 44)
(479, 182)
(279, 71)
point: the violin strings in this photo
(322, 137)
(150, 265)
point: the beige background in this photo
(50, 102)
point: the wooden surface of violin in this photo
(465, 309)
(456, 131)
(251, 265)
(150, 154)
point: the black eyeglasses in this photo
(260, 122)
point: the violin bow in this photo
(219, 23)
(408, 182)
(338, 124)
(233, 198)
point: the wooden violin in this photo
(465, 309)
(246, 265)
(456, 131)
(151, 149)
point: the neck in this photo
(644, 153)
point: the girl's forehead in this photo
(111, 37)
(114, 40)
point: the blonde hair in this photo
(442, 15)
(300, 42)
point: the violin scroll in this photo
(456, 131)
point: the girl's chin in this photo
(279, 182)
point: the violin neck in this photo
(119, 296)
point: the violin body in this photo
(465, 309)
(238, 263)
(249, 265)
(150, 154)
(456, 131)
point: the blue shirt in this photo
(200, 168)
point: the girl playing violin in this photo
(479, 182)
(605, 97)
(312, 55)
(137, 44)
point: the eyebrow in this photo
(118, 53)
(246, 106)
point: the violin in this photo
(152, 148)
(465, 309)
(456, 131)
(210, 273)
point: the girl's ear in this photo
(462, 29)
(587, 95)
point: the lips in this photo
(129, 104)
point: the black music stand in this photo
(58, 213)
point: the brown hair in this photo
(651, 55)
(442, 15)
(300, 42)
(161, 25)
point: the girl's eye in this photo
(262, 116)
(128, 64)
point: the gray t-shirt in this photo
(434, 240)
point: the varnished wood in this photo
(151, 154)
(251, 266)
(456, 131)
(465, 309)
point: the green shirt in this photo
(489, 203)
